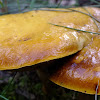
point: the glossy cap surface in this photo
(28, 38)
(81, 71)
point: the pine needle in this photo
(92, 18)
(84, 13)
(74, 29)
(70, 10)
(45, 9)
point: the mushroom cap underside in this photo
(29, 38)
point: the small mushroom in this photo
(81, 71)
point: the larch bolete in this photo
(30, 38)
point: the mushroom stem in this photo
(44, 78)
(82, 96)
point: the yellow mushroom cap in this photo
(81, 71)
(29, 38)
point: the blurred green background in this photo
(26, 85)
(15, 6)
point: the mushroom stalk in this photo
(82, 96)
(44, 79)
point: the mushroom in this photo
(29, 38)
(81, 71)
(38, 36)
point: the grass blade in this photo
(77, 3)
(32, 4)
(9, 84)
(59, 3)
(96, 1)
(1, 4)
(1, 96)
(18, 5)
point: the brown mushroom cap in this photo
(81, 72)
(28, 38)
